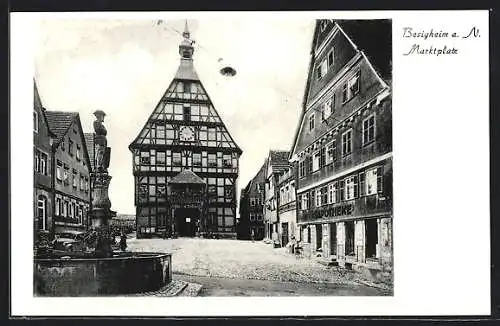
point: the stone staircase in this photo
(176, 288)
(327, 261)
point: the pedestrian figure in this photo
(252, 235)
(293, 243)
(123, 242)
(275, 238)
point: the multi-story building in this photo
(277, 162)
(70, 172)
(252, 207)
(185, 162)
(286, 207)
(42, 167)
(343, 146)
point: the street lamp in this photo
(226, 70)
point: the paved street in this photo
(233, 267)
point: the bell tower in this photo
(185, 161)
(186, 49)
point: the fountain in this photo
(93, 268)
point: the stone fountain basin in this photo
(124, 273)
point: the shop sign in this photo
(328, 211)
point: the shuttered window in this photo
(380, 174)
(322, 157)
(341, 189)
(356, 188)
(361, 184)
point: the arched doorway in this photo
(187, 221)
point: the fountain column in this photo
(101, 205)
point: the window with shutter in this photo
(361, 184)
(316, 161)
(311, 122)
(330, 58)
(342, 186)
(304, 201)
(371, 181)
(356, 188)
(322, 157)
(324, 195)
(331, 149)
(349, 188)
(318, 72)
(331, 193)
(327, 109)
(309, 164)
(351, 87)
(324, 67)
(347, 142)
(302, 168)
(380, 174)
(369, 129)
(344, 93)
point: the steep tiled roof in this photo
(187, 176)
(374, 38)
(278, 157)
(186, 70)
(59, 122)
(89, 143)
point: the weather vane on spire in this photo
(186, 33)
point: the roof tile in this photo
(59, 122)
(89, 142)
(187, 176)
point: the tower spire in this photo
(186, 48)
(186, 33)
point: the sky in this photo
(123, 67)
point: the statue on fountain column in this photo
(101, 205)
(102, 151)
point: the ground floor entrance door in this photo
(333, 239)
(284, 234)
(319, 236)
(186, 221)
(371, 241)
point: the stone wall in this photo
(107, 276)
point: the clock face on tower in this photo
(186, 133)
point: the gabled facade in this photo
(287, 205)
(42, 167)
(252, 207)
(277, 162)
(343, 145)
(71, 169)
(185, 132)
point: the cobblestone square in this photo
(224, 267)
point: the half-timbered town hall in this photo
(185, 162)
